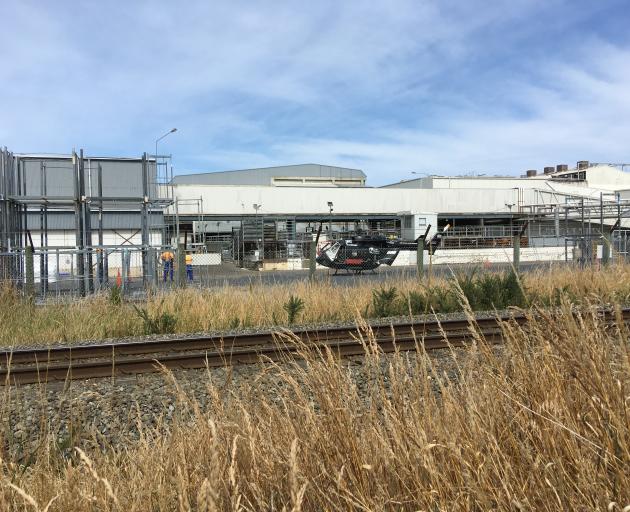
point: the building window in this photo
(422, 221)
(407, 222)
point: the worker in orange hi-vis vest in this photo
(189, 267)
(168, 259)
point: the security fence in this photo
(69, 272)
(62, 271)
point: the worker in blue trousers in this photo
(168, 259)
(189, 267)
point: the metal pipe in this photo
(78, 224)
(144, 225)
(103, 256)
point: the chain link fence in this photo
(55, 272)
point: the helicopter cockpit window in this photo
(332, 251)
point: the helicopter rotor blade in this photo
(319, 232)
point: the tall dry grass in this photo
(541, 424)
(258, 305)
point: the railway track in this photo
(60, 363)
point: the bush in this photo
(160, 323)
(430, 299)
(483, 292)
(294, 306)
(115, 295)
(384, 302)
(491, 291)
(417, 303)
(234, 323)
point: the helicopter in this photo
(361, 252)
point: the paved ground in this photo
(230, 275)
(239, 277)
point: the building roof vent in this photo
(549, 170)
(582, 164)
(562, 167)
(531, 173)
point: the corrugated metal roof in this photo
(263, 176)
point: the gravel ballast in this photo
(107, 412)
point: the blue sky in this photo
(440, 86)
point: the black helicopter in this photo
(360, 253)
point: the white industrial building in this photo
(287, 203)
(106, 209)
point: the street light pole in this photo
(330, 210)
(262, 231)
(172, 130)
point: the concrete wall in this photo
(607, 177)
(484, 256)
(235, 200)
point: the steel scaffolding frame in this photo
(17, 202)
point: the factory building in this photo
(225, 211)
(106, 209)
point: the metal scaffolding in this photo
(34, 187)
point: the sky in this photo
(437, 86)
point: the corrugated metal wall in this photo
(121, 178)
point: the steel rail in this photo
(98, 361)
(214, 342)
(103, 368)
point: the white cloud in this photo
(577, 113)
(389, 87)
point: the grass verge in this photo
(543, 423)
(263, 306)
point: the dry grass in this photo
(542, 424)
(262, 305)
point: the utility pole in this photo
(261, 253)
(330, 210)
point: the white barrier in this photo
(205, 259)
(491, 255)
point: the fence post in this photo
(181, 265)
(516, 257)
(420, 258)
(312, 264)
(29, 271)
(123, 264)
(105, 266)
(153, 266)
(606, 249)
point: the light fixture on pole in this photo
(258, 207)
(330, 210)
(172, 130)
(510, 205)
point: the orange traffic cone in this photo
(118, 279)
